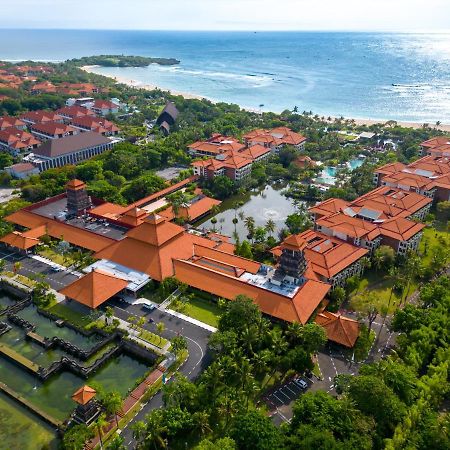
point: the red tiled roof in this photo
(330, 206)
(53, 128)
(94, 288)
(9, 121)
(83, 395)
(339, 329)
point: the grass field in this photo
(201, 309)
(432, 238)
(69, 314)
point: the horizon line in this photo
(318, 30)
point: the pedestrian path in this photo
(50, 263)
(196, 322)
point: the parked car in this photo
(301, 383)
(56, 269)
(150, 320)
(150, 307)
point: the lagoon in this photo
(262, 205)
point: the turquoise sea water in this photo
(363, 75)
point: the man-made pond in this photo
(54, 395)
(262, 205)
(46, 327)
(6, 300)
(22, 430)
(328, 174)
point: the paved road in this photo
(32, 267)
(197, 340)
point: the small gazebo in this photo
(87, 409)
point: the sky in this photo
(253, 15)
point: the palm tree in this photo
(2, 265)
(99, 425)
(270, 227)
(109, 312)
(250, 225)
(155, 431)
(201, 422)
(114, 405)
(160, 327)
(139, 430)
(17, 266)
(294, 331)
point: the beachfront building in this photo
(438, 146)
(167, 118)
(331, 259)
(429, 176)
(275, 139)
(103, 107)
(214, 146)
(17, 141)
(69, 150)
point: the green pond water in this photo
(6, 300)
(54, 395)
(262, 205)
(22, 430)
(46, 328)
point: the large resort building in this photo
(229, 157)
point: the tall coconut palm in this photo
(270, 227)
(99, 425)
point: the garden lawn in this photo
(56, 257)
(380, 284)
(429, 242)
(201, 309)
(153, 338)
(70, 315)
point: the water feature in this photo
(53, 395)
(22, 430)
(262, 205)
(45, 327)
(6, 300)
(328, 174)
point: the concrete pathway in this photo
(196, 322)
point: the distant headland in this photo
(122, 61)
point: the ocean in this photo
(404, 77)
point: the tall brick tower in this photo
(77, 197)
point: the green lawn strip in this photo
(430, 241)
(56, 257)
(153, 338)
(201, 309)
(70, 315)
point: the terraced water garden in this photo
(25, 362)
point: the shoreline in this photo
(188, 95)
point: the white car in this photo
(301, 383)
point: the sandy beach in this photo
(358, 121)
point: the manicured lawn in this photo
(154, 339)
(69, 314)
(201, 309)
(432, 238)
(55, 257)
(381, 285)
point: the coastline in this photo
(188, 95)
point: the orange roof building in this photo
(94, 288)
(437, 146)
(24, 240)
(331, 259)
(275, 138)
(84, 395)
(339, 329)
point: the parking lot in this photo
(32, 267)
(279, 400)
